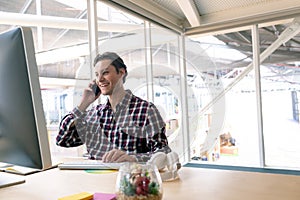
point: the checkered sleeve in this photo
(67, 134)
(156, 134)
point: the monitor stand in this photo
(7, 179)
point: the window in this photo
(233, 137)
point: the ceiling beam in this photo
(148, 11)
(245, 17)
(190, 11)
(62, 22)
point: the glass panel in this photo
(23, 6)
(222, 100)
(280, 78)
(166, 81)
(116, 23)
(64, 8)
(61, 54)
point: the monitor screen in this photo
(23, 132)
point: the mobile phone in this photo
(96, 89)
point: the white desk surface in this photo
(194, 183)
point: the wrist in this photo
(82, 107)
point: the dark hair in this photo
(116, 61)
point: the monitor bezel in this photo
(36, 96)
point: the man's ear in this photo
(122, 71)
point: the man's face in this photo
(107, 77)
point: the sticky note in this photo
(104, 196)
(79, 196)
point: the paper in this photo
(79, 196)
(104, 196)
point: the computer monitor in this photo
(23, 133)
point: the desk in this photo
(194, 183)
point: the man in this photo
(125, 128)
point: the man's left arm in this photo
(155, 134)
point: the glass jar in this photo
(138, 182)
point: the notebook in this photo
(7, 179)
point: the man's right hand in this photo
(88, 97)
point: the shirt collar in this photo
(123, 103)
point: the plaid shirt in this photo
(136, 127)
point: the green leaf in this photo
(153, 188)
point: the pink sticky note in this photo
(104, 196)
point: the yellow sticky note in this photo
(79, 196)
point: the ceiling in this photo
(201, 16)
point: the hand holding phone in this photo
(96, 89)
(87, 96)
